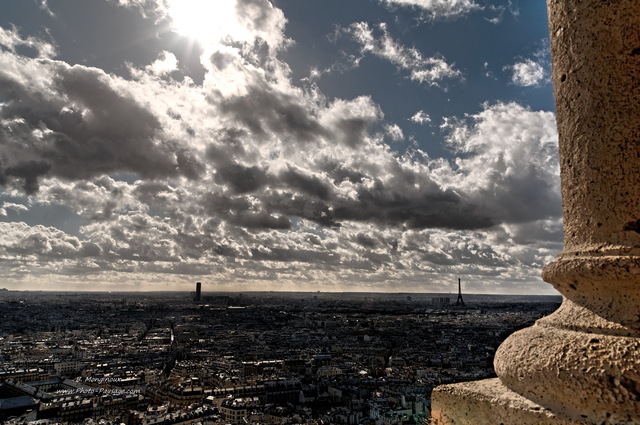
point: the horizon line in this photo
(266, 292)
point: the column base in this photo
(488, 402)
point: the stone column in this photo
(582, 363)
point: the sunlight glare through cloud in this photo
(204, 20)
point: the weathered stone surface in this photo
(574, 372)
(596, 64)
(607, 283)
(583, 362)
(595, 48)
(487, 402)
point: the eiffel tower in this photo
(459, 300)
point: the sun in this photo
(204, 20)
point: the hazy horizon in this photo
(250, 292)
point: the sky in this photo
(277, 145)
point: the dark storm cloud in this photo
(259, 220)
(28, 171)
(352, 130)
(381, 204)
(239, 178)
(308, 185)
(350, 122)
(340, 172)
(507, 174)
(290, 255)
(384, 205)
(291, 204)
(189, 165)
(112, 131)
(75, 122)
(151, 191)
(400, 196)
(226, 251)
(263, 110)
(365, 240)
(240, 211)
(524, 198)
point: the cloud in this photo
(430, 70)
(263, 21)
(17, 208)
(148, 8)
(433, 10)
(249, 177)
(264, 110)
(439, 9)
(309, 185)
(234, 21)
(101, 198)
(166, 63)
(10, 40)
(44, 5)
(420, 117)
(527, 73)
(509, 162)
(76, 122)
(394, 132)
(40, 243)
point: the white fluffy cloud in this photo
(394, 132)
(10, 39)
(527, 73)
(420, 117)
(439, 9)
(166, 63)
(510, 161)
(377, 41)
(12, 206)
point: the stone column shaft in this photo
(595, 47)
(581, 365)
(583, 362)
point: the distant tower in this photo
(198, 291)
(459, 300)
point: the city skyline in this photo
(255, 145)
(316, 359)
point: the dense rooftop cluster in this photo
(243, 358)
